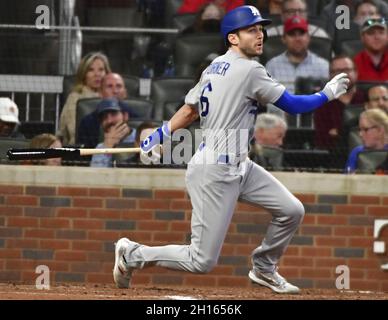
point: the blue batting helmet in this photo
(241, 17)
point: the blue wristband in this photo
(157, 137)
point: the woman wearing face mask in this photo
(208, 20)
(373, 130)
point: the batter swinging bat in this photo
(27, 154)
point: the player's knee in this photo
(204, 266)
(296, 210)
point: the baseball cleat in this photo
(121, 272)
(273, 281)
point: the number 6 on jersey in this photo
(205, 101)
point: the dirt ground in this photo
(109, 292)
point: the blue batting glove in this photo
(156, 138)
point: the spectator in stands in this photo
(373, 129)
(112, 85)
(329, 15)
(9, 119)
(270, 131)
(372, 62)
(297, 60)
(267, 7)
(328, 120)
(208, 19)
(377, 98)
(113, 115)
(46, 140)
(91, 70)
(193, 6)
(291, 8)
(364, 10)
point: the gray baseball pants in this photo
(214, 190)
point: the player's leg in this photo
(261, 188)
(213, 192)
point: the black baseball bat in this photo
(67, 153)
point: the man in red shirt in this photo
(372, 62)
(193, 6)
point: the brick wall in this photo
(72, 230)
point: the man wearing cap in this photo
(9, 119)
(113, 115)
(297, 60)
(372, 62)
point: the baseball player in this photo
(225, 99)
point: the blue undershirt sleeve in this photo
(294, 104)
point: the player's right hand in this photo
(336, 86)
(155, 138)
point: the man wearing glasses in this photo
(372, 62)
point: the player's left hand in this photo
(337, 86)
(155, 138)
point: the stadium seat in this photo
(307, 159)
(351, 47)
(171, 8)
(354, 139)
(8, 143)
(299, 138)
(32, 128)
(183, 21)
(369, 161)
(68, 84)
(143, 109)
(342, 35)
(191, 50)
(274, 157)
(166, 92)
(351, 114)
(366, 85)
(132, 83)
(115, 17)
(84, 107)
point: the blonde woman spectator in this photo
(91, 70)
(46, 140)
(373, 130)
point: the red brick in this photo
(54, 223)
(385, 201)
(21, 264)
(309, 219)
(330, 241)
(169, 236)
(29, 277)
(153, 204)
(232, 281)
(306, 198)
(41, 191)
(88, 224)
(7, 189)
(358, 274)
(290, 272)
(170, 194)
(379, 211)
(223, 270)
(99, 278)
(11, 211)
(55, 244)
(71, 213)
(364, 263)
(139, 236)
(247, 207)
(103, 235)
(315, 230)
(73, 191)
(87, 245)
(365, 199)
(200, 280)
(181, 205)
(22, 222)
(22, 243)
(104, 192)
(105, 214)
(293, 251)
(364, 285)
(21, 200)
(251, 217)
(100, 256)
(39, 233)
(349, 209)
(297, 261)
(138, 215)
(10, 253)
(153, 225)
(361, 242)
(244, 249)
(70, 255)
(316, 252)
(316, 273)
(338, 220)
(141, 279)
(349, 231)
(87, 203)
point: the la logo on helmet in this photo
(254, 10)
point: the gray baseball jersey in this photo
(226, 96)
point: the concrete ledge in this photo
(174, 179)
